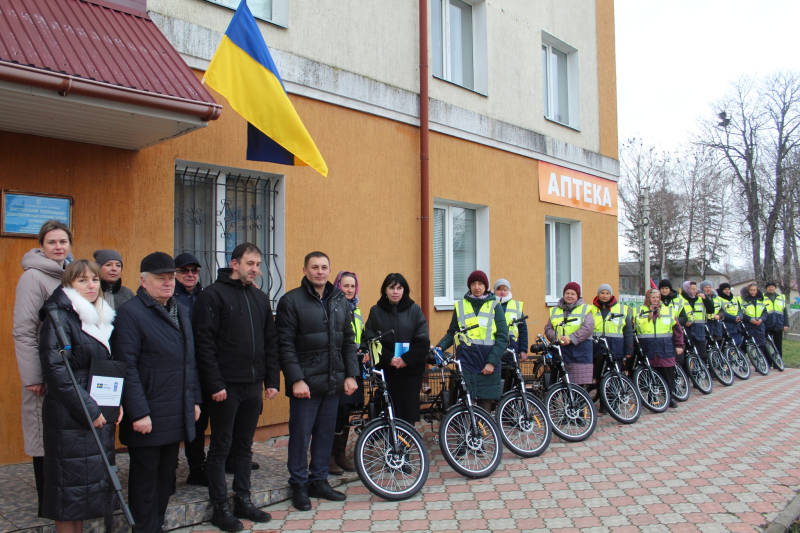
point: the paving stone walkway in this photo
(729, 461)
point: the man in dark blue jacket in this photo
(161, 394)
(237, 352)
(319, 362)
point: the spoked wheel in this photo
(473, 453)
(391, 474)
(682, 385)
(757, 358)
(775, 355)
(619, 398)
(739, 363)
(526, 433)
(572, 419)
(719, 366)
(652, 388)
(537, 386)
(699, 374)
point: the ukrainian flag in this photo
(242, 71)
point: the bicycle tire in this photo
(619, 398)
(536, 384)
(699, 374)
(775, 355)
(720, 367)
(683, 387)
(526, 438)
(572, 423)
(653, 390)
(389, 476)
(757, 358)
(739, 363)
(464, 453)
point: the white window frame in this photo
(279, 15)
(573, 82)
(480, 66)
(482, 247)
(553, 293)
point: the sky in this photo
(676, 57)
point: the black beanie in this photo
(665, 283)
(771, 284)
(723, 286)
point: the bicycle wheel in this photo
(719, 366)
(775, 355)
(652, 389)
(472, 454)
(682, 386)
(619, 398)
(392, 476)
(757, 358)
(573, 419)
(699, 374)
(739, 363)
(525, 434)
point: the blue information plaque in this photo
(24, 213)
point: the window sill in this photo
(550, 302)
(274, 23)
(444, 306)
(461, 86)
(548, 119)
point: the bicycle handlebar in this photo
(380, 336)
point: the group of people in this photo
(197, 355)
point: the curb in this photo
(786, 517)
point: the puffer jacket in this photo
(581, 348)
(409, 325)
(235, 336)
(475, 357)
(41, 277)
(73, 467)
(161, 378)
(316, 339)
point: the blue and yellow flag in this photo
(242, 71)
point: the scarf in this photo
(506, 299)
(170, 307)
(96, 318)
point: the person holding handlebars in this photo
(611, 318)
(481, 349)
(755, 314)
(697, 307)
(572, 323)
(730, 311)
(518, 333)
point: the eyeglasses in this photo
(189, 270)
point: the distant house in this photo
(629, 276)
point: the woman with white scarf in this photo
(73, 466)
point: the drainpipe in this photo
(424, 170)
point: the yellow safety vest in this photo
(513, 312)
(557, 318)
(777, 306)
(752, 309)
(663, 325)
(696, 314)
(613, 327)
(358, 325)
(466, 316)
(731, 308)
(717, 304)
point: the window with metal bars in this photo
(216, 210)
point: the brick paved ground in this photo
(729, 461)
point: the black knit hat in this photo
(665, 283)
(157, 263)
(102, 257)
(771, 284)
(723, 286)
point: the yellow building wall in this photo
(365, 215)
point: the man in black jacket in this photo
(319, 362)
(237, 350)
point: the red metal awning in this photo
(99, 50)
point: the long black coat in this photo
(162, 377)
(409, 325)
(316, 340)
(73, 466)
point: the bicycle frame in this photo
(519, 380)
(553, 350)
(602, 341)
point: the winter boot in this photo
(340, 452)
(224, 519)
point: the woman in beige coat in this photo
(44, 268)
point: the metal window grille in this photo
(215, 212)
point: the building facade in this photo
(523, 157)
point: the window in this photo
(458, 35)
(460, 246)
(216, 210)
(560, 81)
(275, 11)
(562, 256)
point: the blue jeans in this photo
(311, 420)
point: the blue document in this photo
(400, 348)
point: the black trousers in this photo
(668, 373)
(777, 338)
(195, 451)
(38, 476)
(151, 481)
(233, 424)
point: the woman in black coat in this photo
(405, 351)
(74, 468)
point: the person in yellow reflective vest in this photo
(670, 296)
(696, 308)
(575, 335)
(618, 331)
(518, 333)
(751, 300)
(731, 312)
(660, 337)
(777, 315)
(481, 356)
(341, 462)
(714, 318)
